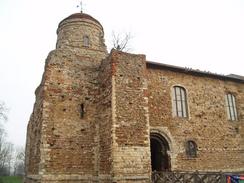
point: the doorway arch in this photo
(160, 159)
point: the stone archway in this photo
(160, 159)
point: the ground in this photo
(10, 179)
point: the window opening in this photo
(86, 41)
(231, 107)
(191, 149)
(179, 102)
(82, 111)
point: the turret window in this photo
(101, 40)
(231, 107)
(86, 41)
(179, 102)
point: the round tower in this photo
(82, 34)
(62, 139)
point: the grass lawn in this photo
(10, 179)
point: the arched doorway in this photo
(160, 160)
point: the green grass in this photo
(10, 179)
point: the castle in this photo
(116, 117)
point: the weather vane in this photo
(80, 6)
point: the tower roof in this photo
(80, 16)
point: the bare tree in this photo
(6, 148)
(121, 41)
(3, 110)
(19, 161)
(6, 153)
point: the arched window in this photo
(86, 41)
(231, 107)
(179, 102)
(191, 149)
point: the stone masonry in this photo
(96, 113)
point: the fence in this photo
(188, 177)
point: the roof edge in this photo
(80, 16)
(186, 70)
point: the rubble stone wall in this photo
(33, 139)
(70, 83)
(131, 149)
(104, 119)
(219, 141)
(71, 33)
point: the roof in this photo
(80, 16)
(236, 76)
(230, 77)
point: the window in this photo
(191, 149)
(231, 107)
(179, 102)
(86, 41)
(82, 111)
(101, 40)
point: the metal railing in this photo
(188, 177)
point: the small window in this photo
(191, 149)
(82, 111)
(101, 40)
(231, 107)
(179, 102)
(86, 41)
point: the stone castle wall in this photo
(219, 141)
(33, 140)
(131, 148)
(68, 140)
(104, 120)
(124, 101)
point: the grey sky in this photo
(202, 34)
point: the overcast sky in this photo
(201, 34)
